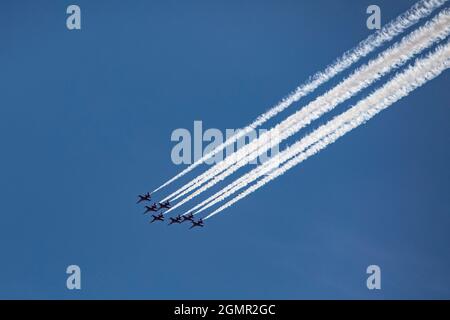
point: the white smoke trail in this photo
(260, 170)
(393, 57)
(400, 86)
(412, 16)
(399, 53)
(237, 185)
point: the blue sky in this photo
(85, 124)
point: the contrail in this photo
(260, 170)
(394, 57)
(399, 53)
(401, 85)
(412, 16)
(316, 136)
(237, 184)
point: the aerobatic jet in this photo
(188, 217)
(159, 217)
(153, 208)
(198, 223)
(164, 204)
(177, 219)
(145, 197)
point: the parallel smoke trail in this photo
(400, 86)
(316, 136)
(309, 113)
(412, 16)
(399, 53)
(236, 185)
(260, 170)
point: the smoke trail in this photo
(400, 86)
(362, 78)
(399, 53)
(260, 170)
(236, 185)
(412, 16)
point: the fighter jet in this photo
(164, 204)
(159, 217)
(188, 217)
(177, 219)
(198, 223)
(153, 208)
(145, 197)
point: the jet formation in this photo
(160, 206)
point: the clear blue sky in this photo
(85, 124)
